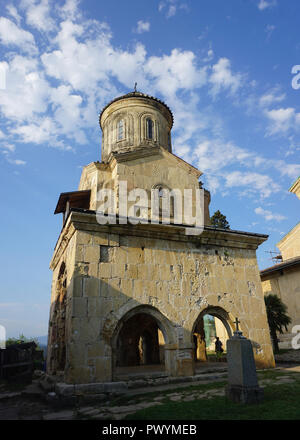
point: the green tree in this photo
(277, 318)
(219, 220)
(20, 340)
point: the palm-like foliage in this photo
(277, 317)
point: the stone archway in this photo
(140, 339)
(199, 333)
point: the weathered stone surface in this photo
(64, 389)
(59, 415)
(99, 388)
(247, 395)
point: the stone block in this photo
(113, 240)
(84, 238)
(185, 367)
(103, 370)
(131, 271)
(77, 284)
(94, 307)
(79, 254)
(126, 287)
(165, 272)
(93, 269)
(92, 253)
(91, 287)
(103, 288)
(117, 270)
(63, 389)
(247, 395)
(136, 256)
(78, 374)
(142, 271)
(105, 270)
(95, 350)
(79, 307)
(100, 239)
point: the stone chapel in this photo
(127, 295)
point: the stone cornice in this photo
(136, 153)
(86, 221)
(147, 151)
(62, 242)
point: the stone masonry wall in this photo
(114, 274)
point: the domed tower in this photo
(135, 120)
(137, 148)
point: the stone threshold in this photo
(104, 390)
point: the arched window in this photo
(163, 208)
(169, 141)
(149, 128)
(120, 129)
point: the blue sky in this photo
(223, 67)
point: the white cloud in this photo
(223, 78)
(7, 148)
(255, 182)
(142, 26)
(12, 11)
(16, 161)
(215, 154)
(270, 28)
(209, 56)
(37, 133)
(67, 112)
(26, 90)
(268, 215)
(171, 11)
(12, 35)
(171, 7)
(264, 4)
(281, 120)
(271, 97)
(175, 71)
(38, 15)
(70, 10)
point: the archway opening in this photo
(140, 345)
(211, 324)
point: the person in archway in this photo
(218, 348)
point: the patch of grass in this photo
(281, 402)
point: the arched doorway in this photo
(212, 322)
(138, 344)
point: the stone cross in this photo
(237, 322)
